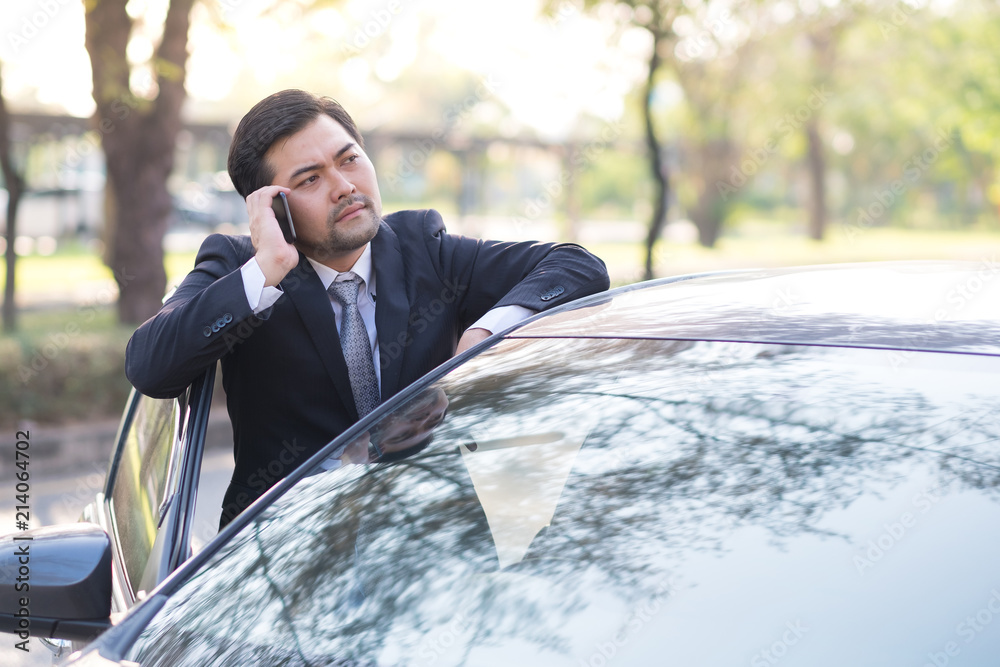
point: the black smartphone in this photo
(280, 206)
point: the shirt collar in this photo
(362, 268)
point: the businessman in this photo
(313, 334)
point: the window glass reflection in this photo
(553, 495)
(140, 481)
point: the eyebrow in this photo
(313, 167)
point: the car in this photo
(785, 466)
(136, 529)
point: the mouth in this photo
(351, 211)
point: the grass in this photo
(771, 250)
(95, 319)
(64, 279)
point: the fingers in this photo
(264, 229)
(274, 255)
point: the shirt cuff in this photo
(259, 297)
(502, 318)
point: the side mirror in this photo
(57, 582)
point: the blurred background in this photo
(667, 136)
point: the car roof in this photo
(910, 305)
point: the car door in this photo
(147, 505)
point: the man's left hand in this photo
(470, 338)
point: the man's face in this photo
(402, 431)
(334, 197)
(399, 432)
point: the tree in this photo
(824, 28)
(823, 41)
(659, 27)
(713, 75)
(656, 17)
(709, 51)
(14, 182)
(138, 136)
(969, 105)
(704, 63)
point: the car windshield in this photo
(590, 502)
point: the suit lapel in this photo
(392, 308)
(305, 290)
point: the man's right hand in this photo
(274, 256)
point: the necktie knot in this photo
(346, 291)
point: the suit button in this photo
(227, 318)
(207, 332)
(553, 293)
(220, 322)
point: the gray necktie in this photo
(357, 347)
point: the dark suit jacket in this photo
(283, 371)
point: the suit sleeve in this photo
(196, 326)
(490, 274)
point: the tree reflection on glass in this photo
(568, 482)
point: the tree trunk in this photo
(138, 137)
(824, 46)
(14, 183)
(703, 215)
(709, 211)
(661, 177)
(10, 289)
(817, 181)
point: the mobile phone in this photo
(280, 206)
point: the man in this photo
(271, 310)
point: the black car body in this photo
(795, 466)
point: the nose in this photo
(342, 186)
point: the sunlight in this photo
(549, 69)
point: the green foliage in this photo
(613, 184)
(910, 100)
(64, 366)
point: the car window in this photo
(588, 500)
(141, 481)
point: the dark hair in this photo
(273, 118)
